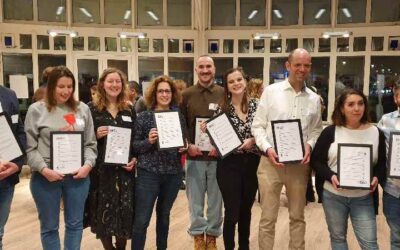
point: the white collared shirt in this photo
(280, 101)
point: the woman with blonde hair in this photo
(255, 88)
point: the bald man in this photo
(290, 99)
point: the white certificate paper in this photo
(118, 145)
(223, 134)
(66, 151)
(354, 165)
(169, 130)
(201, 139)
(9, 147)
(394, 155)
(288, 140)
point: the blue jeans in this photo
(201, 179)
(6, 195)
(149, 188)
(362, 214)
(391, 209)
(47, 196)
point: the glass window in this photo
(25, 41)
(88, 74)
(18, 10)
(324, 45)
(351, 11)
(244, 45)
(43, 42)
(143, 45)
(349, 74)
(86, 11)
(94, 43)
(173, 45)
(277, 69)
(118, 64)
(359, 44)
(78, 43)
(308, 44)
(258, 45)
(45, 61)
(213, 46)
(377, 44)
(179, 13)
(252, 66)
(221, 66)
(181, 68)
(381, 12)
(291, 44)
(126, 44)
(252, 12)
(229, 10)
(188, 46)
(342, 44)
(228, 46)
(394, 43)
(158, 45)
(117, 12)
(150, 68)
(111, 43)
(317, 12)
(59, 43)
(275, 46)
(51, 10)
(385, 71)
(319, 79)
(285, 12)
(150, 12)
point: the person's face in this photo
(205, 70)
(132, 94)
(353, 108)
(92, 93)
(397, 97)
(299, 67)
(236, 83)
(113, 85)
(164, 95)
(63, 90)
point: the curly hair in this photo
(100, 100)
(254, 86)
(338, 118)
(151, 93)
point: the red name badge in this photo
(70, 118)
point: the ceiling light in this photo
(252, 14)
(84, 11)
(319, 13)
(278, 14)
(71, 33)
(328, 34)
(132, 34)
(127, 14)
(346, 12)
(266, 35)
(152, 15)
(60, 10)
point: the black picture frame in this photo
(207, 118)
(390, 174)
(180, 127)
(68, 133)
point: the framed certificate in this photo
(201, 139)
(66, 151)
(169, 130)
(223, 135)
(288, 140)
(394, 155)
(118, 145)
(354, 165)
(10, 148)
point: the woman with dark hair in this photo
(47, 185)
(350, 125)
(158, 172)
(111, 196)
(237, 173)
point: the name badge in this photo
(212, 106)
(14, 119)
(126, 118)
(1, 108)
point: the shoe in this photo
(211, 242)
(199, 243)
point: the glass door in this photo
(87, 70)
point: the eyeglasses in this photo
(164, 91)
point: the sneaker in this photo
(199, 243)
(211, 242)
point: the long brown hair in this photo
(100, 100)
(151, 92)
(227, 96)
(55, 74)
(338, 118)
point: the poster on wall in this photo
(19, 83)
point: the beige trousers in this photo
(270, 181)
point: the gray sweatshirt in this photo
(39, 122)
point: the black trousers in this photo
(237, 180)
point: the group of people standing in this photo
(118, 200)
